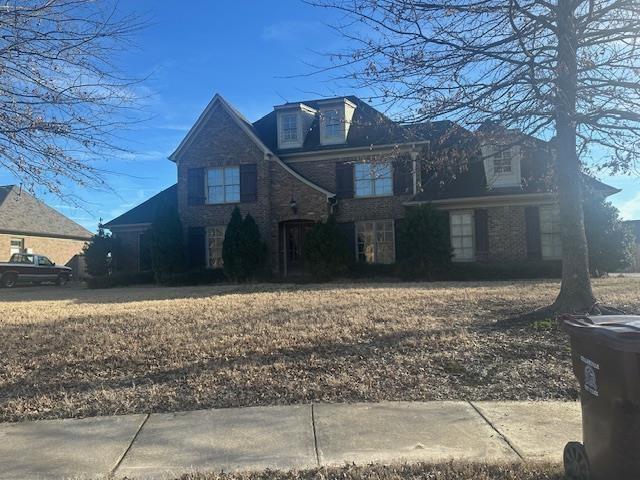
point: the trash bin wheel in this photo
(576, 463)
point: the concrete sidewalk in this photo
(285, 437)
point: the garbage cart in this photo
(605, 350)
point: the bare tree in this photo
(566, 69)
(63, 100)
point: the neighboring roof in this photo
(368, 127)
(146, 211)
(635, 228)
(22, 213)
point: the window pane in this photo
(383, 186)
(215, 177)
(462, 235)
(215, 238)
(364, 188)
(362, 171)
(216, 194)
(232, 193)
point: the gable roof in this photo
(144, 213)
(369, 127)
(22, 213)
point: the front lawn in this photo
(79, 352)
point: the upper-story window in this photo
(289, 128)
(373, 179)
(333, 124)
(502, 165)
(223, 185)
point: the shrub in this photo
(253, 251)
(500, 271)
(98, 253)
(610, 242)
(201, 276)
(231, 248)
(325, 250)
(423, 242)
(167, 243)
(120, 280)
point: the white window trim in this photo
(498, 180)
(393, 234)
(21, 240)
(286, 141)
(553, 209)
(372, 179)
(206, 185)
(473, 236)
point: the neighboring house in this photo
(306, 160)
(634, 226)
(28, 225)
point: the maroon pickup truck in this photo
(32, 268)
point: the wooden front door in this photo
(291, 240)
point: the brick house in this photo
(305, 160)
(28, 225)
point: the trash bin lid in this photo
(621, 332)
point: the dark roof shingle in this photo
(146, 211)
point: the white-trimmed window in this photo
(289, 128)
(373, 179)
(332, 124)
(223, 185)
(502, 165)
(550, 232)
(462, 235)
(215, 239)
(17, 245)
(375, 241)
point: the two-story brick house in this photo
(306, 160)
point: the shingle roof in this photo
(146, 211)
(21, 212)
(368, 127)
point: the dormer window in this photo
(502, 165)
(333, 124)
(289, 128)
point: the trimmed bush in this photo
(231, 247)
(120, 280)
(167, 243)
(98, 253)
(243, 252)
(325, 250)
(423, 246)
(201, 276)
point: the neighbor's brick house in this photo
(28, 225)
(306, 160)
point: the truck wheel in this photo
(9, 280)
(61, 280)
(576, 463)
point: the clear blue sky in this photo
(241, 49)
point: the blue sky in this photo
(244, 50)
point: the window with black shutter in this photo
(248, 183)
(482, 234)
(344, 180)
(402, 177)
(195, 186)
(532, 224)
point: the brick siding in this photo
(59, 250)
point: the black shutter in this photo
(195, 186)
(482, 233)
(344, 180)
(348, 231)
(399, 252)
(402, 177)
(532, 223)
(197, 247)
(248, 183)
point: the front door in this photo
(291, 240)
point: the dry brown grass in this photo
(448, 471)
(81, 352)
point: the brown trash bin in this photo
(605, 351)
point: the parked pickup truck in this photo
(28, 267)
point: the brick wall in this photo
(507, 233)
(128, 253)
(59, 250)
(221, 142)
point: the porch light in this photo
(293, 205)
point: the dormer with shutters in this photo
(294, 121)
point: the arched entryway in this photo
(291, 238)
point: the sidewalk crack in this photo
(495, 429)
(315, 436)
(124, 454)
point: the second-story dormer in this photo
(336, 115)
(294, 121)
(502, 164)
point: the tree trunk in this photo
(576, 294)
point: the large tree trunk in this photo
(576, 294)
